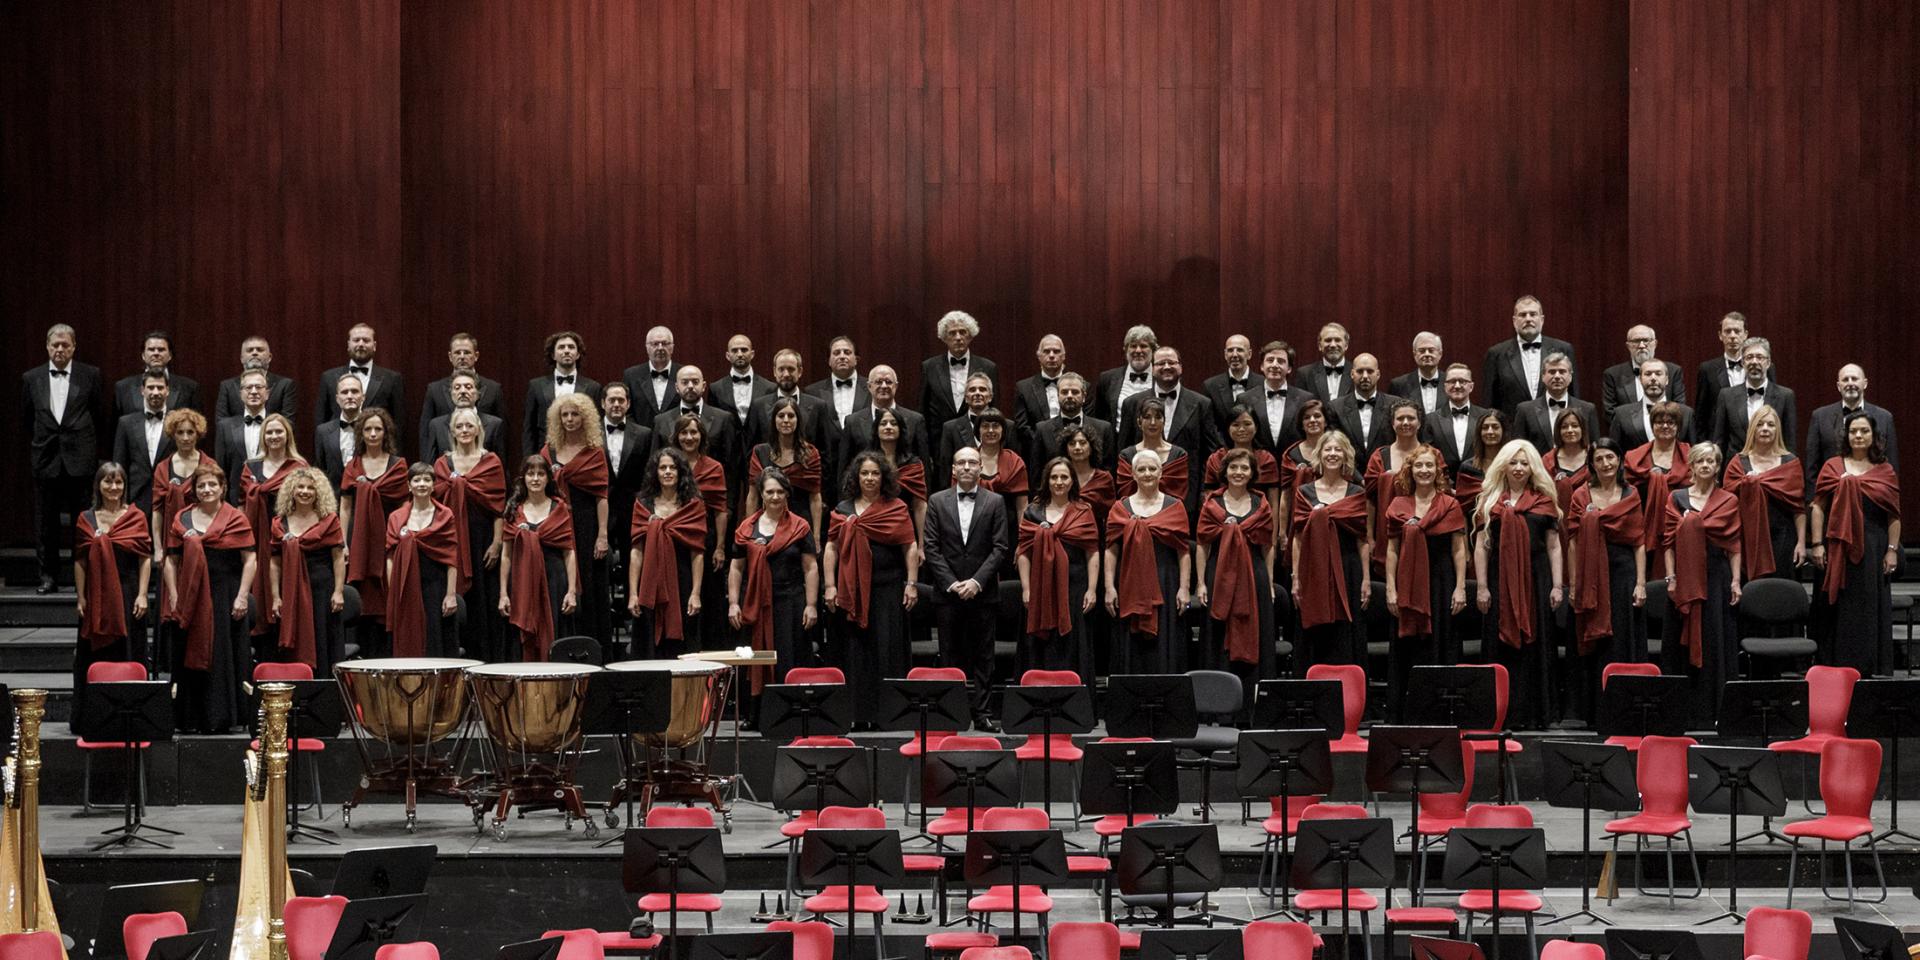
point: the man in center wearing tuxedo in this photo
(1513, 367)
(463, 353)
(464, 389)
(1191, 425)
(1620, 384)
(1363, 414)
(1073, 413)
(967, 548)
(563, 352)
(1327, 377)
(1423, 384)
(1632, 423)
(943, 377)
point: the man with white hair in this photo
(1328, 377)
(1620, 384)
(1423, 383)
(61, 398)
(650, 384)
(943, 377)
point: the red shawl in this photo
(1379, 483)
(1516, 597)
(887, 520)
(656, 537)
(1302, 472)
(296, 591)
(1237, 547)
(1846, 516)
(586, 472)
(1565, 486)
(1785, 483)
(1011, 479)
(1138, 578)
(171, 495)
(439, 542)
(193, 595)
(1413, 578)
(1592, 531)
(1099, 492)
(106, 621)
(1266, 470)
(710, 476)
(803, 472)
(256, 498)
(756, 593)
(484, 488)
(913, 479)
(529, 598)
(366, 542)
(1467, 481)
(1655, 488)
(1173, 477)
(1322, 597)
(1688, 535)
(1051, 601)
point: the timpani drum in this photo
(673, 765)
(531, 713)
(406, 714)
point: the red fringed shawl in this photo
(1413, 577)
(1237, 547)
(1051, 602)
(106, 621)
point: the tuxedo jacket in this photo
(936, 385)
(986, 552)
(1620, 384)
(533, 428)
(283, 397)
(1534, 424)
(326, 450)
(1219, 391)
(640, 381)
(857, 436)
(822, 390)
(1046, 444)
(230, 451)
(1313, 379)
(1711, 378)
(723, 439)
(1505, 374)
(1436, 429)
(384, 389)
(720, 394)
(181, 392)
(954, 434)
(816, 419)
(1727, 426)
(1194, 428)
(130, 452)
(1030, 404)
(491, 402)
(1344, 413)
(625, 478)
(1827, 437)
(1289, 427)
(1105, 402)
(68, 446)
(437, 439)
(1408, 385)
(1629, 427)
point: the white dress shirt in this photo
(957, 378)
(1333, 378)
(1366, 413)
(156, 429)
(561, 389)
(742, 393)
(250, 432)
(1130, 386)
(57, 388)
(843, 392)
(1530, 362)
(1754, 400)
(616, 440)
(1429, 395)
(346, 441)
(1462, 420)
(1051, 387)
(1276, 410)
(965, 507)
(662, 386)
(1169, 404)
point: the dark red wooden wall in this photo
(797, 169)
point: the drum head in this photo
(679, 668)
(405, 665)
(532, 671)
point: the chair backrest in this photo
(679, 817)
(1499, 815)
(1662, 771)
(933, 673)
(141, 929)
(1268, 940)
(1849, 776)
(1452, 806)
(309, 923)
(968, 743)
(581, 944)
(1334, 811)
(815, 675)
(1829, 697)
(1568, 950)
(1083, 941)
(812, 940)
(1353, 689)
(996, 953)
(115, 671)
(1627, 670)
(1778, 934)
(270, 671)
(1217, 692)
(853, 818)
(349, 603)
(821, 741)
(1014, 818)
(417, 950)
(1049, 678)
(1501, 694)
(38, 945)
(1774, 602)
(577, 649)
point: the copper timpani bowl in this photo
(406, 701)
(694, 696)
(531, 707)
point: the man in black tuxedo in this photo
(856, 435)
(723, 432)
(1118, 385)
(1225, 389)
(1422, 384)
(236, 439)
(379, 386)
(1722, 371)
(964, 430)
(943, 377)
(463, 353)
(843, 390)
(563, 352)
(1363, 415)
(1450, 429)
(283, 395)
(1191, 425)
(1620, 384)
(968, 549)
(1037, 398)
(140, 440)
(629, 448)
(463, 390)
(816, 415)
(1275, 404)
(736, 392)
(650, 385)
(1046, 445)
(333, 438)
(1327, 377)
(1633, 422)
(156, 352)
(1727, 425)
(1827, 428)
(1534, 420)
(59, 400)
(1513, 367)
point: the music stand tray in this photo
(1157, 705)
(137, 711)
(676, 861)
(970, 779)
(919, 707)
(1017, 858)
(1886, 709)
(1766, 709)
(1496, 859)
(815, 778)
(1586, 775)
(1211, 944)
(620, 704)
(1047, 711)
(1735, 780)
(1284, 764)
(1344, 855)
(124, 900)
(546, 948)
(1864, 940)
(1299, 705)
(384, 871)
(735, 946)
(1637, 706)
(1416, 760)
(1167, 859)
(369, 924)
(1129, 779)
(1451, 696)
(789, 710)
(193, 945)
(1652, 944)
(1440, 948)
(851, 858)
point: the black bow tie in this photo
(1557, 404)
(251, 420)
(957, 361)
(1530, 345)
(1169, 396)
(1459, 412)
(843, 384)
(1756, 391)
(1336, 371)
(1238, 383)
(1272, 393)
(346, 425)
(1046, 381)
(1364, 403)
(740, 379)
(359, 371)
(613, 425)
(155, 416)
(689, 411)
(966, 494)
(58, 373)
(566, 378)
(1069, 421)
(1434, 382)
(1137, 377)
(662, 374)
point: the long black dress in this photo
(1719, 629)
(133, 645)
(211, 701)
(872, 654)
(593, 610)
(1213, 650)
(1073, 652)
(1858, 626)
(789, 579)
(1343, 641)
(642, 645)
(329, 638)
(1530, 702)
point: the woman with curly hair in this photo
(208, 578)
(577, 449)
(666, 566)
(871, 568)
(308, 573)
(539, 572)
(1058, 556)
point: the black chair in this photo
(1219, 697)
(350, 612)
(1779, 608)
(580, 650)
(1657, 608)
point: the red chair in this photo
(1278, 829)
(996, 953)
(953, 821)
(581, 944)
(1277, 941)
(417, 950)
(1568, 950)
(1327, 902)
(998, 898)
(1661, 768)
(268, 673)
(1626, 670)
(1829, 698)
(1849, 777)
(803, 820)
(141, 929)
(1512, 901)
(811, 941)
(1038, 747)
(834, 901)
(1113, 824)
(1084, 941)
(1777, 934)
(1439, 814)
(38, 945)
(1501, 694)
(815, 675)
(310, 922)
(914, 748)
(1353, 690)
(705, 904)
(113, 671)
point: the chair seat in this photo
(1779, 646)
(1830, 827)
(109, 744)
(1349, 743)
(1129, 941)
(1087, 863)
(1064, 750)
(1330, 900)
(953, 822)
(913, 747)
(1439, 826)
(834, 900)
(1493, 746)
(999, 899)
(1274, 827)
(956, 942)
(1111, 824)
(798, 826)
(1631, 743)
(622, 940)
(1511, 901)
(1422, 917)
(302, 744)
(923, 863)
(1209, 739)
(1651, 825)
(1810, 744)
(687, 903)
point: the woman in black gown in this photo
(112, 566)
(1856, 522)
(666, 563)
(576, 446)
(308, 573)
(870, 568)
(1059, 529)
(1235, 541)
(773, 579)
(208, 577)
(1517, 560)
(1426, 532)
(1701, 541)
(539, 601)
(1606, 573)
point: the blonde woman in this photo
(577, 449)
(1702, 547)
(1518, 562)
(1771, 488)
(260, 481)
(307, 576)
(1329, 528)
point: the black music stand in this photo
(1413, 761)
(919, 706)
(790, 710)
(853, 858)
(1166, 859)
(1299, 705)
(1336, 854)
(620, 704)
(1129, 779)
(675, 861)
(131, 712)
(1886, 709)
(1440, 948)
(1210, 944)
(384, 871)
(1652, 944)
(317, 713)
(975, 778)
(367, 925)
(545, 948)
(1463, 697)
(192, 945)
(1015, 857)
(1735, 780)
(815, 778)
(1493, 859)
(1862, 940)
(1585, 774)
(1639, 706)
(1156, 705)
(736, 946)
(1046, 711)
(1284, 764)
(124, 900)
(1766, 709)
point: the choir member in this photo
(1225, 389)
(173, 476)
(112, 567)
(1234, 551)
(1422, 383)
(1566, 461)
(59, 401)
(140, 440)
(1189, 420)
(1728, 420)
(1117, 384)
(308, 573)
(943, 376)
(380, 387)
(1328, 529)
(690, 437)
(472, 482)
(261, 478)
(968, 540)
(1176, 468)
(1827, 428)
(1327, 378)
(1243, 433)
(373, 482)
(577, 449)
(1301, 460)
(1518, 562)
(773, 581)
(1058, 557)
(1383, 469)
(282, 393)
(1512, 370)
(1702, 546)
(539, 533)
(1652, 467)
(426, 572)
(156, 353)
(737, 391)
(1856, 530)
(208, 577)
(871, 569)
(788, 449)
(1001, 470)
(1037, 398)
(1771, 486)
(1095, 485)
(666, 564)
(964, 429)
(1426, 572)
(1489, 435)
(889, 432)
(563, 379)
(1607, 576)
(1147, 569)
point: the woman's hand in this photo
(336, 603)
(1200, 595)
(733, 615)
(506, 607)
(1113, 604)
(635, 607)
(1393, 600)
(1182, 599)
(139, 607)
(80, 605)
(1459, 601)
(449, 606)
(809, 615)
(831, 597)
(240, 607)
(567, 602)
(1557, 595)
(1799, 554)
(1639, 594)
(600, 547)
(276, 609)
(1818, 555)
(1087, 602)
(1026, 595)
(693, 605)
(1366, 589)
(1733, 593)
(910, 597)
(1891, 560)
(492, 557)
(1483, 599)
(719, 560)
